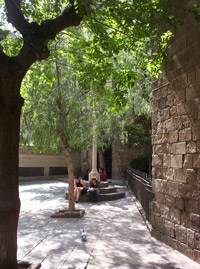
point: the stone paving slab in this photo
(117, 236)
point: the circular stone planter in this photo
(65, 213)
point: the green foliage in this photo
(137, 131)
(115, 25)
(130, 123)
(132, 26)
(16, 42)
(160, 54)
(108, 57)
(195, 9)
(3, 35)
(44, 85)
(140, 163)
(115, 86)
(37, 10)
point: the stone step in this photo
(103, 184)
(108, 190)
(102, 196)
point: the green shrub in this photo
(140, 163)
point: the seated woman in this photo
(79, 188)
(94, 190)
(103, 175)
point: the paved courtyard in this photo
(117, 237)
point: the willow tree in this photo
(56, 115)
(36, 23)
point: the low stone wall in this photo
(37, 166)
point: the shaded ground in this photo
(116, 234)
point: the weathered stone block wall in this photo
(121, 156)
(176, 144)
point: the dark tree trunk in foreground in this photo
(9, 196)
(12, 71)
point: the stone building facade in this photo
(176, 143)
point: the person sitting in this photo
(94, 190)
(103, 175)
(79, 188)
(85, 176)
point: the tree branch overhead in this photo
(36, 36)
(69, 17)
(15, 15)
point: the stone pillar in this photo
(94, 172)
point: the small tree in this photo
(58, 109)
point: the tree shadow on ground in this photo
(116, 236)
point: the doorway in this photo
(108, 162)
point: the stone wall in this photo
(121, 156)
(176, 143)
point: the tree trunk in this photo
(102, 159)
(63, 138)
(10, 110)
(70, 170)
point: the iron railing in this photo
(140, 185)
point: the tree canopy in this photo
(116, 86)
(115, 25)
